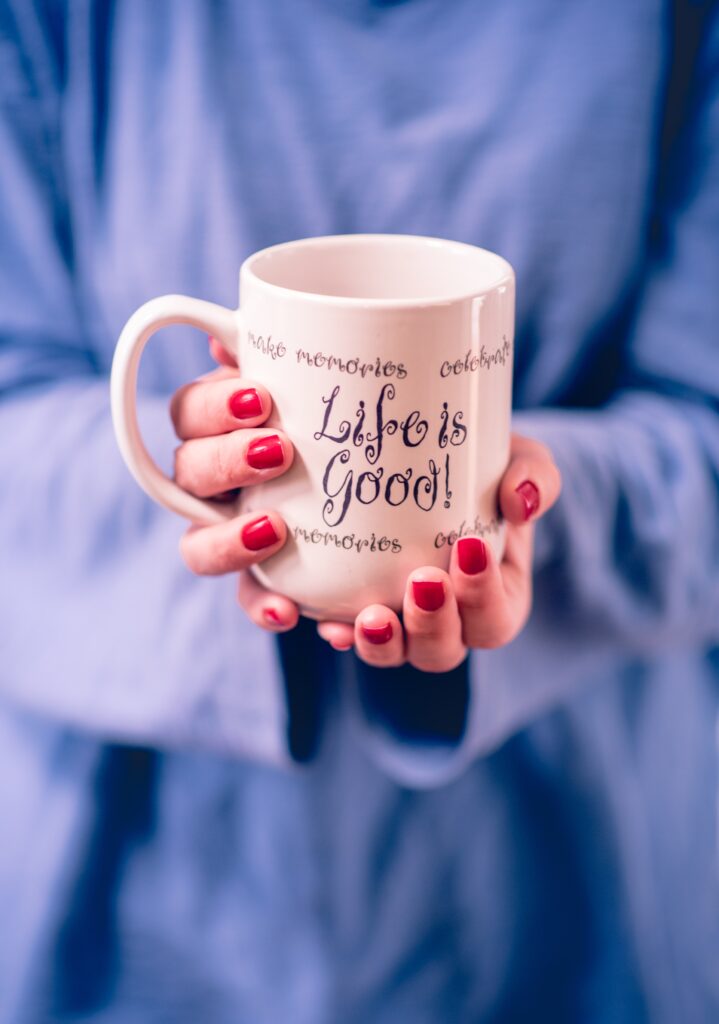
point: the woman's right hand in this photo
(218, 419)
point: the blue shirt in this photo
(200, 825)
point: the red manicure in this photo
(428, 594)
(471, 555)
(377, 634)
(265, 453)
(259, 534)
(245, 404)
(529, 494)
(272, 616)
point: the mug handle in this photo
(161, 312)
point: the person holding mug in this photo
(417, 472)
(500, 803)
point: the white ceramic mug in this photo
(389, 362)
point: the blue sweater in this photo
(199, 824)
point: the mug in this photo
(389, 363)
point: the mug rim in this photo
(505, 271)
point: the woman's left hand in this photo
(479, 602)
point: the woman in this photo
(529, 835)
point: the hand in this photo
(218, 418)
(479, 602)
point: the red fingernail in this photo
(272, 616)
(377, 634)
(428, 594)
(472, 555)
(259, 534)
(265, 453)
(245, 404)
(529, 494)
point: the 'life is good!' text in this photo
(371, 429)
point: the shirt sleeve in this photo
(626, 563)
(101, 626)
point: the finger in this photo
(339, 635)
(206, 466)
(516, 570)
(266, 609)
(214, 405)
(493, 598)
(220, 354)
(378, 637)
(233, 545)
(531, 483)
(433, 628)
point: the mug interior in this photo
(381, 268)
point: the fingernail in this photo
(343, 647)
(272, 616)
(259, 534)
(377, 634)
(245, 404)
(265, 453)
(471, 555)
(529, 494)
(428, 594)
